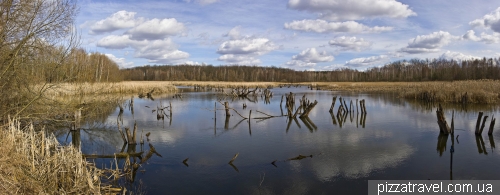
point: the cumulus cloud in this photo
(368, 61)
(308, 58)
(239, 59)
(245, 50)
(257, 46)
(350, 43)
(314, 56)
(120, 61)
(156, 51)
(486, 38)
(156, 29)
(234, 33)
(429, 43)
(341, 10)
(150, 38)
(491, 21)
(448, 55)
(322, 26)
(119, 20)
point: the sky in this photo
(296, 34)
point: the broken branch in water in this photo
(234, 158)
(300, 157)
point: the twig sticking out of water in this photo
(234, 158)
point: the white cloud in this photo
(369, 61)
(239, 59)
(118, 42)
(429, 43)
(341, 10)
(255, 46)
(313, 56)
(243, 50)
(308, 58)
(156, 51)
(350, 43)
(486, 38)
(234, 33)
(156, 29)
(491, 21)
(495, 38)
(119, 20)
(322, 26)
(448, 55)
(299, 64)
(470, 35)
(120, 61)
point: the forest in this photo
(404, 70)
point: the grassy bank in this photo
(478, 91)
(34, 163)
(226, 84)
(124, 87)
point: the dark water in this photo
(396, 139)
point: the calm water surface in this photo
(396, 139)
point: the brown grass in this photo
(33, 163)
(225, 84)
(124, 87)
(479, 91)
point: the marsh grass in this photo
(35, 163)
(215, 84)
(479, 91)
(124, 87)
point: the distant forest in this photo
(412, 70)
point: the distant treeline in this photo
(412, 70)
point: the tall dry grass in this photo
(215, 84)
(478, 91)
(35, 163)
(124, 87)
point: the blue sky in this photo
(296, 34)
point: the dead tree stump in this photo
(443, 125)
(492, 125)
(478, 122)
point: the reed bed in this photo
(35, 163)
(478, 91)
(124, 87)
(216, 84)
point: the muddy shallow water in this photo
(396, 139)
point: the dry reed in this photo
(35, 163)
(478, 91)
(216, 84)
(124, 87)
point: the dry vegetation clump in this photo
(216, 84)
(34, 163)
(362, 86)
(124, 87)
(478, 91)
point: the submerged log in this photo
(116, 155)
(300, 157)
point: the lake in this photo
(397, 139)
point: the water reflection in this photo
(442, 141)
(346, 152)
